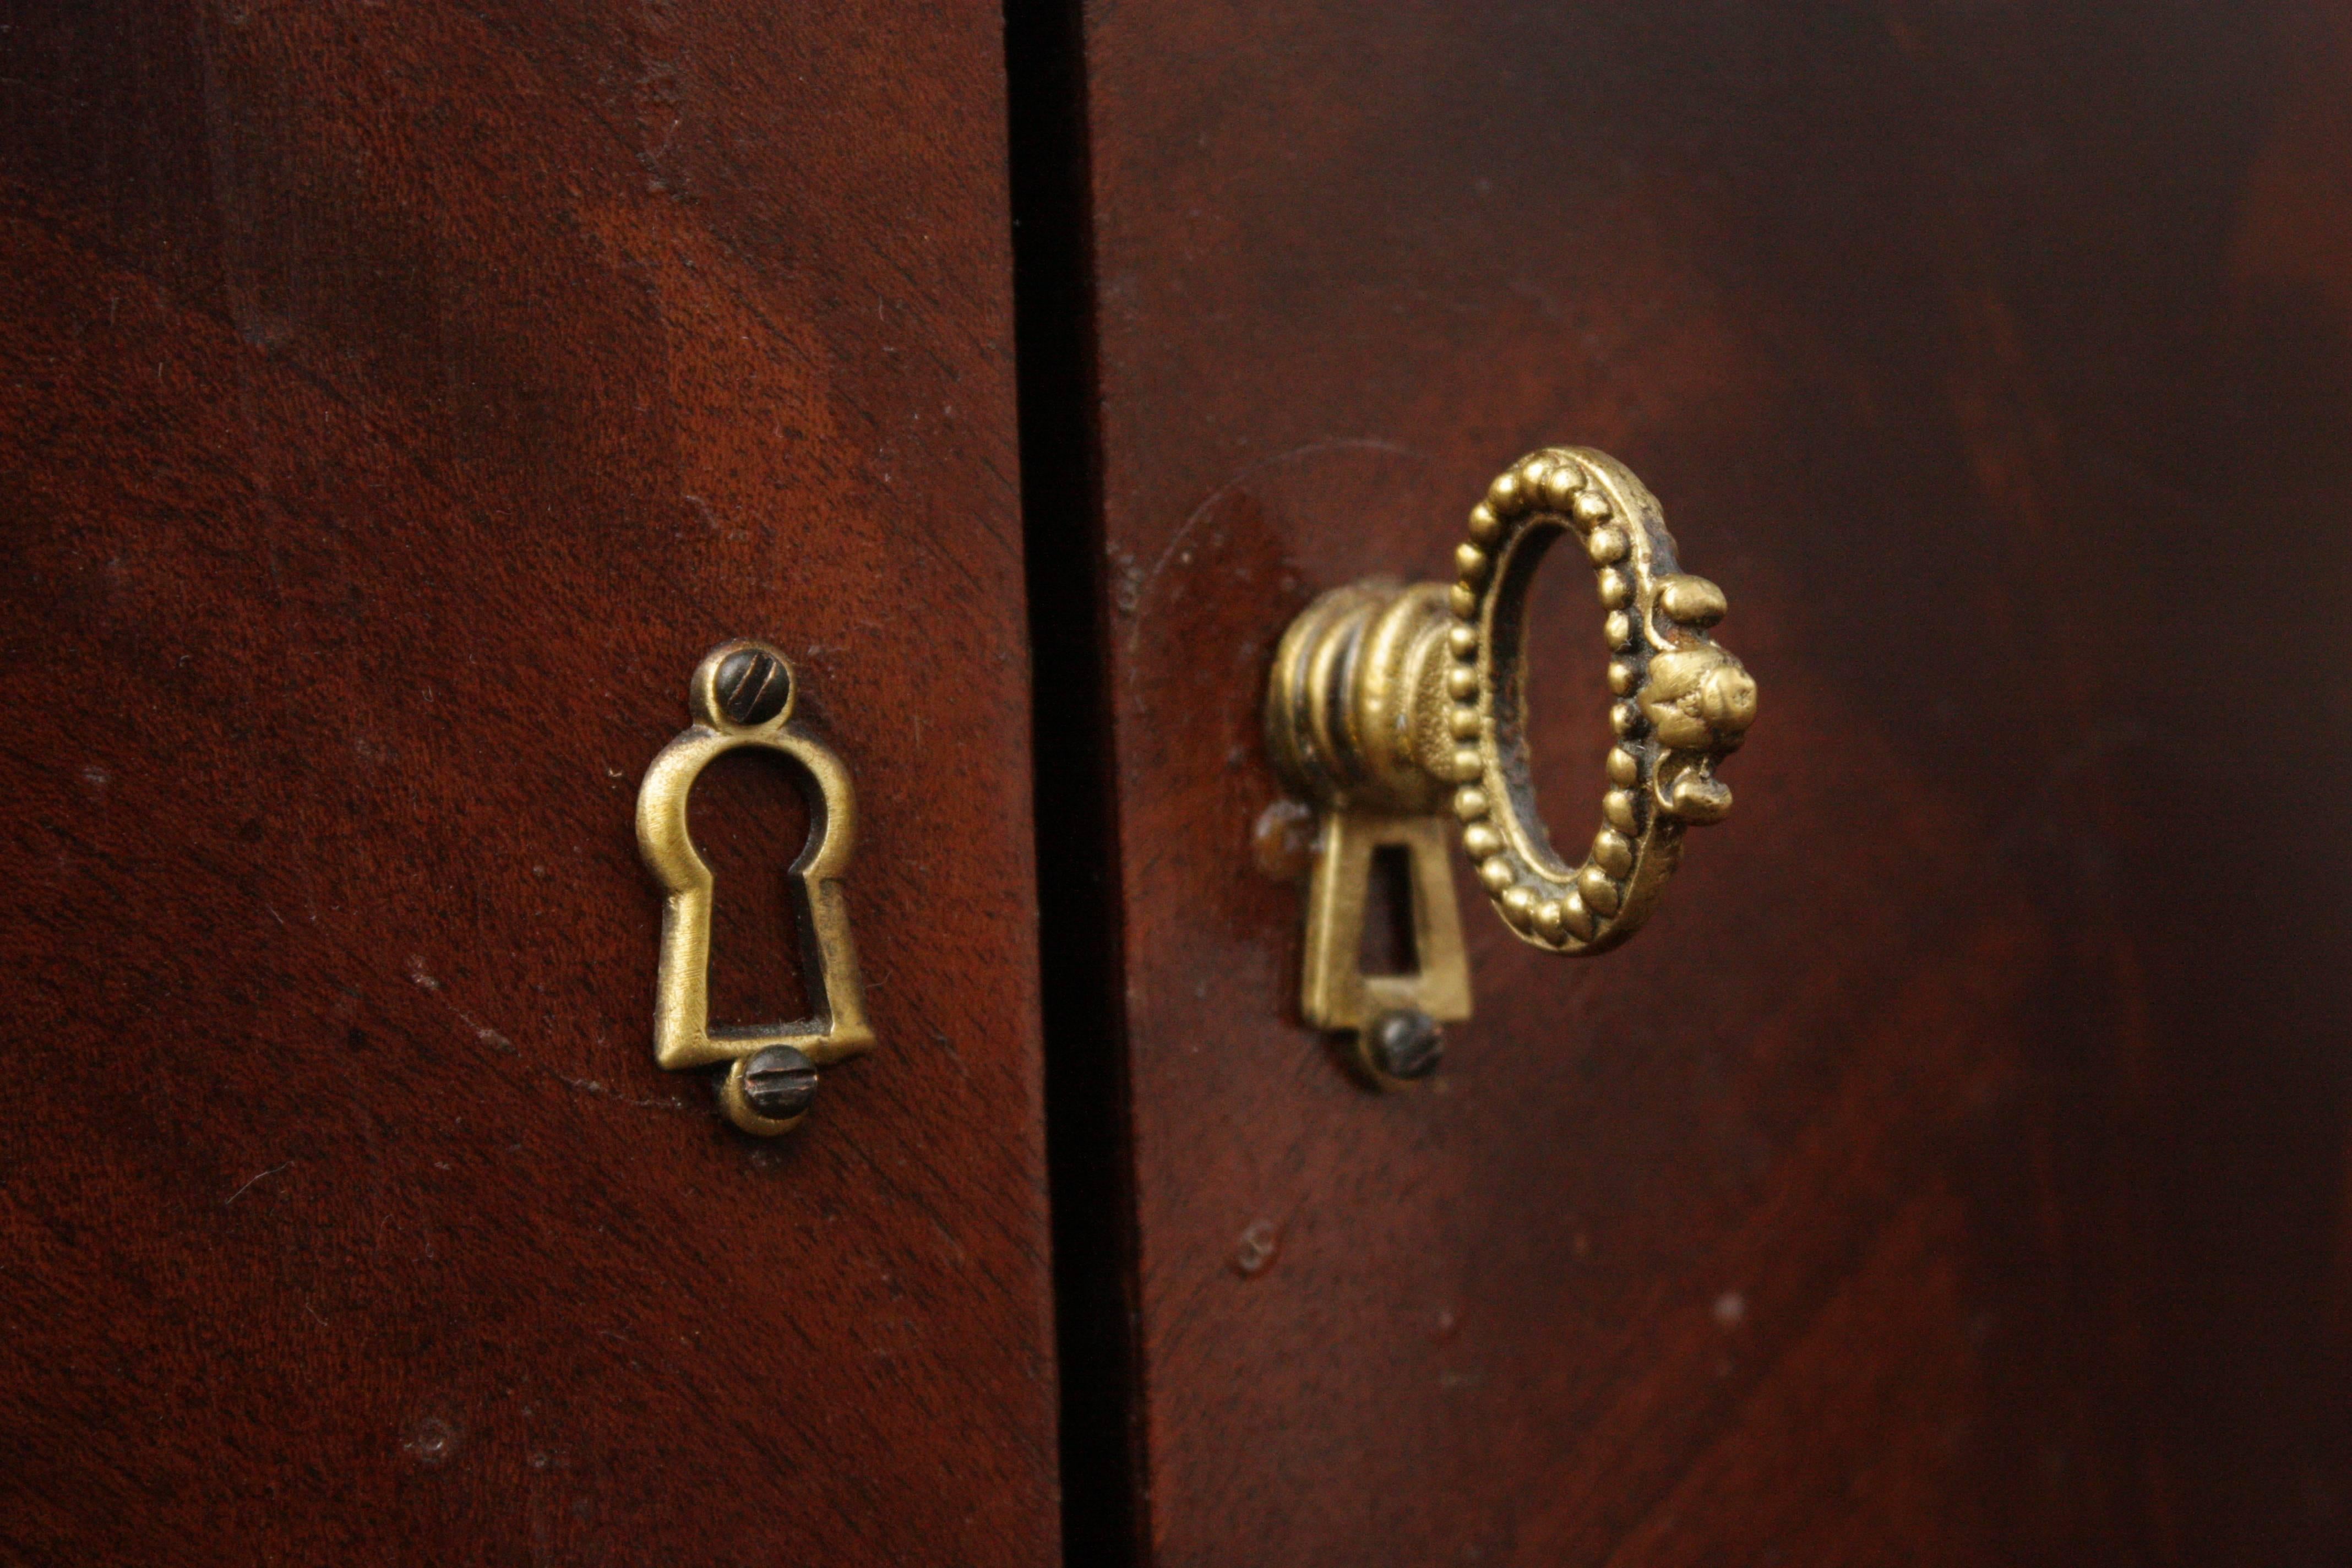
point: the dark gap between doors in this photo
(1087, 1125)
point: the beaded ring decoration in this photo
(1682, 704)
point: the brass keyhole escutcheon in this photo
(1394, 708)
(742, 695)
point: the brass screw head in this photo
(779, 1083)
(1404, 1044)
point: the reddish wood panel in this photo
(394, 404)
(1955, 1170)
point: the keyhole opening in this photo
(1390, 945)
(751, 815)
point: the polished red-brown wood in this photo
(1954, 1171)
(394, 404)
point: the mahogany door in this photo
(398, 401)
(395, 402)
(1954, 1171)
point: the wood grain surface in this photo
(1956, 1170)
(394, 404)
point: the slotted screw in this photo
(779, 1083)
(1404, 1044)
(753, 685)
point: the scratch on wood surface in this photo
(256, 1177)
(1131, 601)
